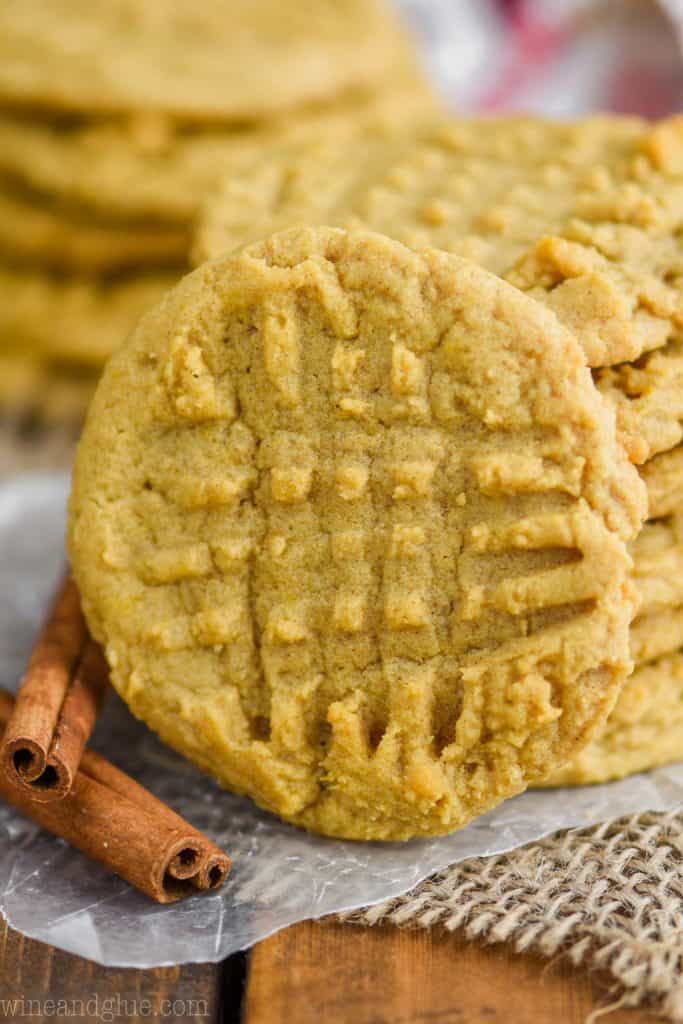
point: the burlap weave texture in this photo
(609, 897)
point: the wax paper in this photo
(281, 875)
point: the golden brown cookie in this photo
(73, 320)
(663, 476)
(237, 61)
(358, 544)
(36, 392)
(648, 397)
(33, 233)
(656, 634)
(474, 162)
(304, 177)
(19, 373)
(657, 572)
(144, 168)
(616, 286)
(644, 730)
(658, 564)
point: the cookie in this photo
(656, 634)
(358, 545)
(147, 168)
(36, 394)
(491, 191)
(73, 320)
(65, 397)
(663, 476)
(246, 60)
(19, 373)
(303, 177)
(644, 730)
(648, 397)
(478, 161)
(658, 565)
(617, 287)
(32, 233)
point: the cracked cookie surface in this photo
(358, 546)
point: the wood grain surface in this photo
(315, 974)
(33, 977)
(342, 974)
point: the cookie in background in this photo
(115, 118)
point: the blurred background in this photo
(558, 57)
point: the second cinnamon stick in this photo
(58, 702)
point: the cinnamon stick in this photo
(58, 702)
(114, 820)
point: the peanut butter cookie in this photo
(663, 476)
(37, 393)
(658, 565)
(358, 544)
(73, 320)
(41, 234)
(238, 61)
(153, 169)
(644, 730)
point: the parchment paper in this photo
(280, 875)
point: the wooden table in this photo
(312, 974)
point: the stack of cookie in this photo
(587, 219)
(116, 115)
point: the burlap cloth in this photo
(609, 897)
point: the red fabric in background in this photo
(567, 57)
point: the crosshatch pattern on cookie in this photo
(375, 618)
(612, 202)
(301, 171)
